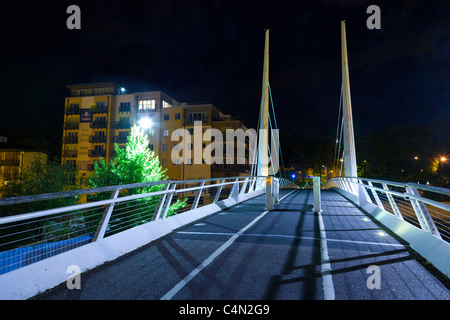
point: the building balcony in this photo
(72, 110)
(99, 109)
(97, 153)
(70, 140)
(190, 121)
(119, 139)
(96, 124)
(97, 139)
(71, 125)
(15, 162)
(70, 154)
(124, 109)
(122, 124)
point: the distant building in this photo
(98, 115)
(14, 161)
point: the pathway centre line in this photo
(180, 285)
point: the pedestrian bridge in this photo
(248, 237)
(367, 240)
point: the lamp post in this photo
(442, 160)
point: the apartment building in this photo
(98, 115)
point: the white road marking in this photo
(327, 279)
(211, 258)
(290, 237)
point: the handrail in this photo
(405, 203)
(51, 231)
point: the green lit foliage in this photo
(135, 163)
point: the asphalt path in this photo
(248, 253)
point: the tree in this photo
(38, 178)
(135, 163)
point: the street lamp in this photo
(145, 123)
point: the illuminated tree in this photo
(135, 163)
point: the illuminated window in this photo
(166, 133)
(165, 104)
(146, 104)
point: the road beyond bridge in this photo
(248, 253)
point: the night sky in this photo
(212, 51)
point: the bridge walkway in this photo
(248, 253)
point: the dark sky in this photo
(212, 51)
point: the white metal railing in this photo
(93, 214)
(425, 207)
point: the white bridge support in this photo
(264, 126)
(348, 134)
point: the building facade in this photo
(99, 115)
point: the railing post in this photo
(101, 229)
(363, 196)
(253, 184)
(168, 202)
(234, 194)
(375, 195)
(316, 194)
(244, 186)
(161, 201)
(269, 194)
(392, 202)
(424, 217)
(197, 197)
(276, 190)
(217, 197)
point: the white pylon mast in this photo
(349, 137)
(263, 140)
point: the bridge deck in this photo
(248, 253)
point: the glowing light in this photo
(122, 89)
(145, 123)
(443, 159)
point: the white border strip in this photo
(327, 279)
